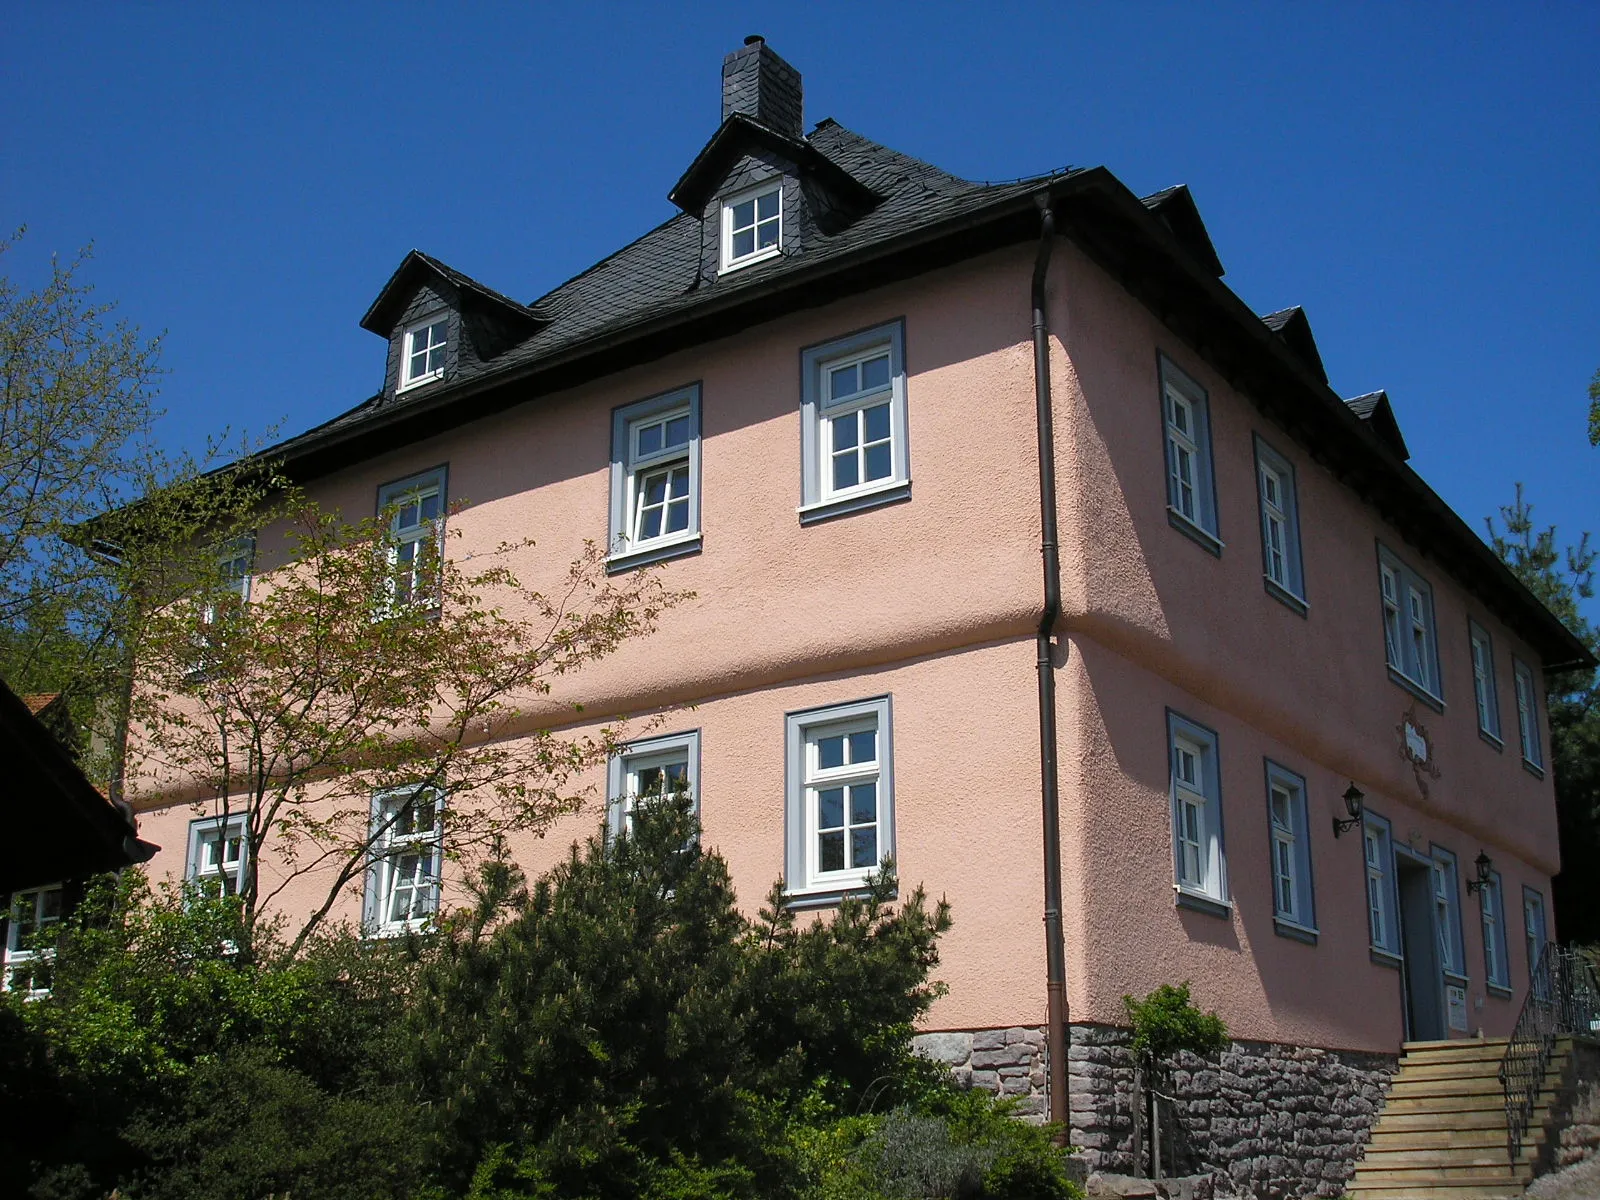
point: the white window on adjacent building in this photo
(650, 770)
(655, 478)
(1191, 490)
(218, 850)
(752, 225)
(405, 860)
(1196, 812)
(840, 820)
(30, 946)
(422, 354)
(1382, 925)
(1280, 526)
(416, 511)
(1447, 913)
(1408, 629)
(1492, 911)
(853, 423)
(1290, 833)
(1534, 931)
(1483, 686)
(1528, 715)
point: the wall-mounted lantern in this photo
(1353, 796)
(1485, 865)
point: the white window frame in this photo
(18, 957)
(1196, 815)
(623, 770)
(387, 847)
(1485, 693)
(805, 880)
(430, 350)
(819, 500)
(1289, 843)
(1282, 566)
(730, 262)
(1380, 891)
(1496, 952)
(235, 562)
(1535, 927)
(394, 496)
(1446, 879)
(1410, 630)
(1528, 716)
(1196, 512)
(629, 470)
(200, 870)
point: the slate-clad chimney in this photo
(759, 84)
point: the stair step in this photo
(1442, 1191)
(1470, 1086)
(1436, 1173)
(1398, 1121)
(1454, 1043)
(1461, 1051)
(1447, 1136)
(1454, 1069)
(1408, 1157)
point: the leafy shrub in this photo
(1167, 1021)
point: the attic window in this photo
(752, 226)
(423, 359)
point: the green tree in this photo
(1594, 410)
(1563, 577)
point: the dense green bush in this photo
(1167, 1021)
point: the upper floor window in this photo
(1491, 908)
(1196, 811)
(752, 225)
(1409, 642)
(1533, 928)
(655, 478)
(29, 944)
(840, 797)
(415, 509)
(1528, 715)
(1290, 835)
(1280, 526)
(1447, 913)
(1483, 689)
(1191, 487)
(422, 354)
(406, 851)
(218, 848)
(230, 585)
(652, 770)
(1382, 924)
(853, 423)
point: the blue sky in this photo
(1422, 178)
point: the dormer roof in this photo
(1179, 213)
(1294, 328)
(1374, 409)
(738, 135)
(417, 269)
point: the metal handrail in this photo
(1563, 999)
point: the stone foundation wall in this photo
(1008, 1061)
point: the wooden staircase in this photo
(1442, 1134)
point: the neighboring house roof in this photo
(58, 826)
(40, 701)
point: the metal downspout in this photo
(1050, 801)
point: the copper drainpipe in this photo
(1050, 800)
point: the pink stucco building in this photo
(847, 399)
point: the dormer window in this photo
(752, 226)
(423, 360)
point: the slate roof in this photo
(1377, 412)
(395, 293)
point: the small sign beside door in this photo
(1455, 1001)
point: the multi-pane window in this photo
(423, 354)
(407, 849)
(853, 432)
(218, 849)
(1491, 909)
(652, 770)
(1483, 688)
(1533, 928)
(1196, 810)
(1186, 417)
(841, 796)
(752, 226)
(1289, 831)
(29, 942)
(1408, 630)
(415, 510)
(1528, 714)
(1280, 524)
(229, 586)
(1382, 925)
(655, 478)
(1447, 913)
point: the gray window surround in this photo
(617, 771)
(1496, 967)
(688, 541)
(372, 924)
(1491, 733)
(1387, 952)
(202, 825)
(1455, 966)
(1301, 930)
(1407, 578)
(814, 360)
(1218, 900)
(796, 857)
(1292, 592)
(1204, 527)
(1529, 734)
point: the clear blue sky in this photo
(1424, 179)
